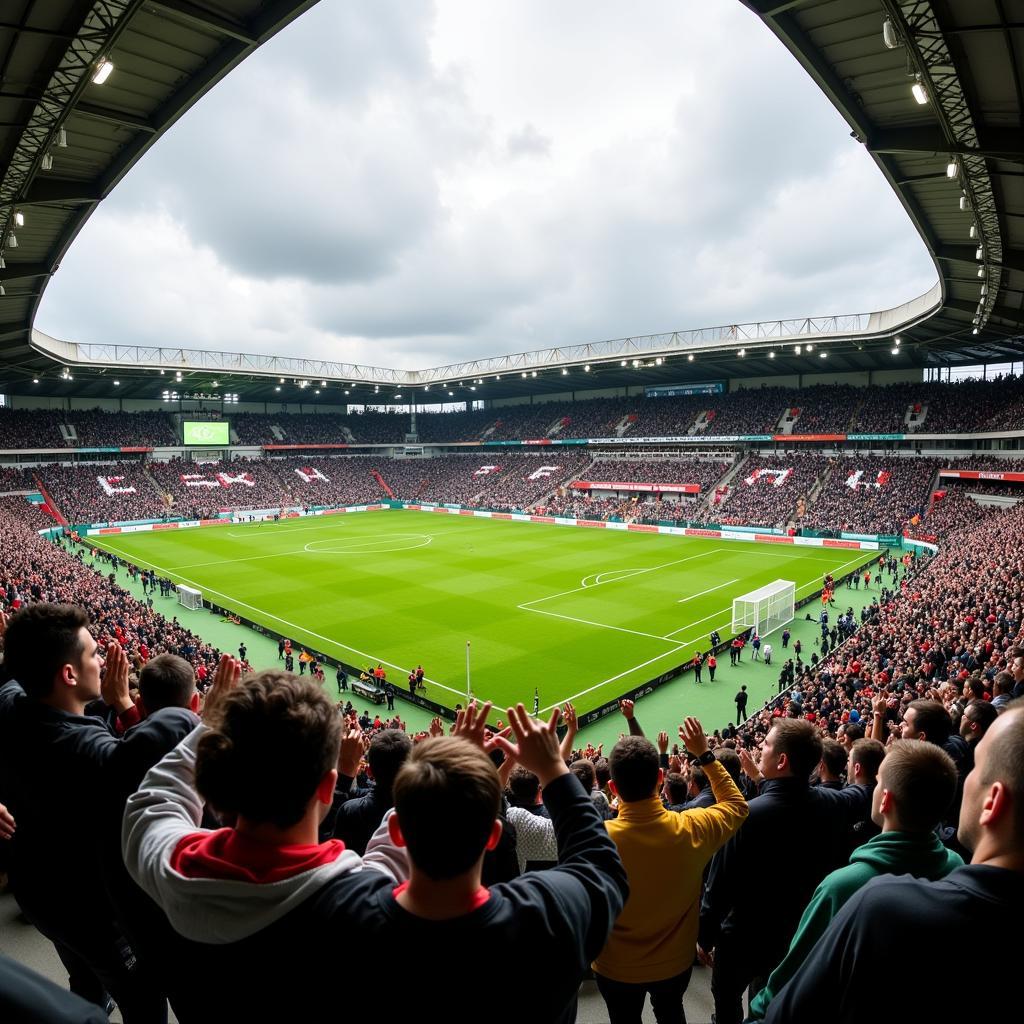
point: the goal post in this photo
(766, 609)
(189, 597)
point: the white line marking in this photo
(611, 679)
(633, 572)
(234, 601)
(588, 622)
(710, 590)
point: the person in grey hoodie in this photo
(916, 785)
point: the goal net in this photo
(189, 597)
(766, 609)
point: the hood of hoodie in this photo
(219, 901)
(921, 855)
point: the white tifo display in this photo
(764, 610)
(189, 597)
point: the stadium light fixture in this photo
(3, 290)
(280, 380)
(277, 387)
(658, 361)
(822, 355)
(524, 374)
(797, 349)
(984, 290)
(565, 372)
(62, 138)
(46, 164)
(3, 262)
(12, 241)
(117, 383)
(742, 352)
(965, 203)
(317, 391)
(890, 36)
(810, 348)
(919, 91)
(981, 271)
(895, 351)
(975, 331)
(472, 387)
(952, 168)
(771, 355)
(689, 358)
(214, 383)
(497, 376)
(973, 233)
(103, 71)
(35, 380)
(534, 374)
(897, 340)
(19, 218)
(979, 253)
(451, 394)
(586, 369)
(323, 383)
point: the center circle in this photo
(379, 545)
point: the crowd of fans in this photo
(197, 489)
(702, 472)
(768, 850)
(109, 492)
(765, 491)
(872, 494)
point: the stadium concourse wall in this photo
(742, 534)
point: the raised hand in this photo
(226, 677)
(536, 747)
(662, 742)
(691, 732)
(7, 825)
(626, 707)
(471, 724)
(114, 684)
(351, 752)
(749, 766)
(436, 727)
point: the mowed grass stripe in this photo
(356, 584)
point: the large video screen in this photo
(206, 432)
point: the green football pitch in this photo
(581, 615)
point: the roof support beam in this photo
(57, 190)
(994, 143)
(1013, 259)
(1002, 312)
(23, 271)
(207, 19)
(114, 117)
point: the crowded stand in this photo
(15, 507)
(15, 478)
(31, 428)
(348, 480)
(505, 480)
(702, 472)
(108, 492)
(872, 494)
(765, 491)
(95, 427)
(197, 488)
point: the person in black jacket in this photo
(58, 768)
(794, 835)
(885, 924)
(357, 819)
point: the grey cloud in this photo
(528, 142)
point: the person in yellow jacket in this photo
(652, 946)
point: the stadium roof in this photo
(956, 161)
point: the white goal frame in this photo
(766, 609)
(189, 597)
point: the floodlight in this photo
(19, 219)
(974, 231)
(586, 369)
(890, 36)
(102, 73)
(742, 352)
(797, 349)
(920, 94)
(979, 253)
(117, 383)
(965, 203)
(12, 241)
(46, 164)
(3, 291)
(771, 355)
(822, 355)
(62, 138)
(975, 331)
(952, 168)
(981, 271)
(689, 358)
(565, 372)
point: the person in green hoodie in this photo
(916, 785)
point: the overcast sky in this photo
(406, 183)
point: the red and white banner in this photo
(230, 479)
(542, 473)
(858, 478)
(618, 485)
(487, 471)
(973, 474)
(308, 474)
(777, 476)
(114, 485)
(198, 480)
